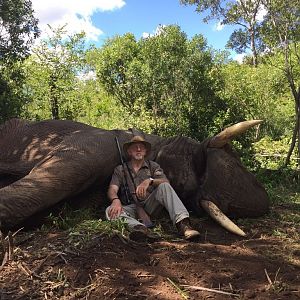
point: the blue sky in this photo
(139, 16)
(102, 19)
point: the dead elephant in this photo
(45, 162)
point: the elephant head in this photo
(210, 177)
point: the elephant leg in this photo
(52, 180)
(16, 169)
(11, 172)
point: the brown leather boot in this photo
(141, 233)
(184, 228)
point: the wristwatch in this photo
(151, 181)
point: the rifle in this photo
(125, 184)
(139, 208)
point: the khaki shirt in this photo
(148, 169)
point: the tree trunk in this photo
(298, 121)
(298, 154)
(54, 98)
(253, 48)
(54, 108)
(296, 133)
(296, 96)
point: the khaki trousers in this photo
(163, 196)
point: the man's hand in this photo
(115, 209)
(141, 190)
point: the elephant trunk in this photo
(216, 214)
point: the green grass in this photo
(81, 225)
(82, 233)
(68, 218)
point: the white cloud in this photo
(158, 30)
(146, 35)
(77, 14)
(261, 13)
(218, 26)
(239, 57)
(91, 75)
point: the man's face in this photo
(137, 151)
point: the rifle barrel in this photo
(125, 185)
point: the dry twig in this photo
(23, 267)
(10, 246)
(178, 289)
(4, 261)
(124, 239)
(200, 288)
(268, 277)
(15, 233)
(39, 266)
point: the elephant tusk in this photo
(219, 217)
(229, 133)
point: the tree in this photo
(166, 80)
(281, 34)
(18, 29)
(278, 34)
(258, 93)
(12, 97)
(53, 71)
(243, 13)
(115, 67)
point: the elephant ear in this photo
(231, 186)
(176, 159)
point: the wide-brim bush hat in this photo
(137, 139)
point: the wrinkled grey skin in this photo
(42, 163)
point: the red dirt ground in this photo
(264, 265)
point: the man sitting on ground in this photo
(150, 191)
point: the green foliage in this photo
(241, 13)
(113, 61)
(278, 33)
(281, 34)
(12, 95)
(85, 219)
(61, 84)
(84, 231)
(165, 81)
(240, 42)
(281, 25)
(18, 29)
(282, 184)
(271, 154)
(52, 76)
(259, 93)
(68, 218)
(97, 108)
(82, 225)
(96, 226)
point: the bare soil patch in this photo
(264, 265)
